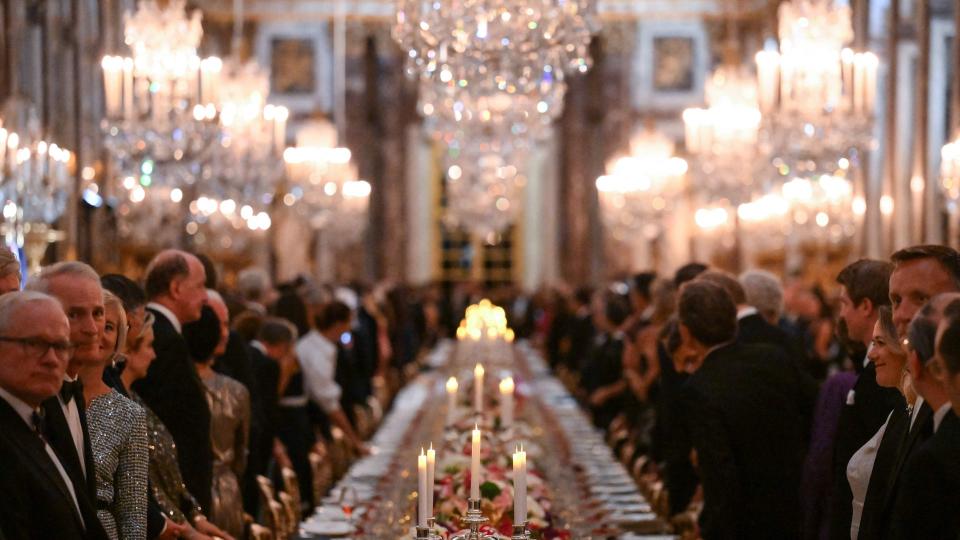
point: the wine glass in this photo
(348, 501)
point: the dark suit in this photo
(267, 378)
(754, 329)
(36, 502)
(743, 409)
(174, 392)
(61, 440)
(858, 422)
(896, 447)
(928, 502)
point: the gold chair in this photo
(322, 473)
(291, 512)
(278, 517)
(259, 532)
(291, 487)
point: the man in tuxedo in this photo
(929, 495)
(743, 406)
(77, 287)
(920, 273)
(864, 289)
(175, 285)
(40, 499)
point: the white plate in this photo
(329, 528)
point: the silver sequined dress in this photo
(118, 439)
(229, 430)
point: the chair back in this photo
(291, 512)
(291, 488)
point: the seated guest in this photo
(317, 352)
(743, 406)
(40, 500)
(166, 484)
(118, 436)
(229, 411)
(929, 494)
(890, 364)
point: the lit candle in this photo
(452, 388)
(478, 388)
(112, 81)
(422, 495)
(475, 465)
(280, 128)
(128, 88)
(871, 62)
(506, 402)
(431, 475)
(519, 486)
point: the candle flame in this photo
(506, 385)
(452, 385)
(478, 371)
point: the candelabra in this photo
(474, 520)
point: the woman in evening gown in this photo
(229, 419)
(118, 438)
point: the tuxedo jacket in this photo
(36, 501)
(859, 421)
(755, 329)
(744, 408)
(173, 391)
(61, 439)
(896, 448)
(927, 504)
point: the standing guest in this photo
(172, 389)
(317, 352)
(743, 406)
(889, 359)
(134, 306)
(10, 275)
(602, 374)
(77, 287)
(765, 293)
(852, 407)
(254, 286)
(118, 437)
(928, 380)
(930, 494)
(229, 411)
(919, 274)
(166, 485)
(40, 499)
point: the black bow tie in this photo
(72, 390)
(39, 424)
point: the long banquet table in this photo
(591, 495)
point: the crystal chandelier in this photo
(492, 73)
(323, 184)
(816, 94)
(722, 138)
(161, 102)
(638, 188)
(35, 182)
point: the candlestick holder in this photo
(474, 520)
(520, 532)
(429, 532)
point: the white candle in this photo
(431, 476)
(280, 128)
(111, 66)
(422, 495)
(506, 402)
(452, 387)
(871, 63)
(520, 486)
(478, 388)
(475, 465)
(128, 88)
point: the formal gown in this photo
(118, 438)
(229, 431)
(859, 470)
(166, 481)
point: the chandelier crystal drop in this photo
(638, 188)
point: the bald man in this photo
(175, 287)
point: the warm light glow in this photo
(506, 386)
(478, 371)
(452, 385)
(886, 205)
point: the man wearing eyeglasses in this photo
(41, 500)
(77, 287)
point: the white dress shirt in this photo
(859, 470)
(916, 410)
(939, 414)
(318, 361)
(165, 311)
(746, 311)
(72, 413)
(25, 412)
